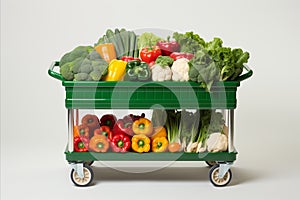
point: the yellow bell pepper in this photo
(140, 143)
(142, 126)
(159, 131)
(116, 70)
(160, 144)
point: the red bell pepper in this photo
(104, 130)
(149, 54)
(120, 143)
(168, 47)
(123, 127)
(178, 55)
(81, 144)
(129, 58)
(108, 120)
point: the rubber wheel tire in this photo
(211, 163)
(215, 180)
(86, 180)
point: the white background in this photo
(33, 118)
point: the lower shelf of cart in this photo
(151, 156)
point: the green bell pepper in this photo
(137, 71)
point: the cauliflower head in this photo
(180, 70)
(160, 73)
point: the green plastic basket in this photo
(147, 95)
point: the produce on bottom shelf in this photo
(116, 70)
(123, 126)
(210, 122)
(150, 54)
(120, 143)
(91, 121)
(81, 131)
(104, 130)
(137, 71)
(172, 126)
(160, 144)
(217, 142)
(99, 143)
(159, 118)
(159, 131)
(140, 143)
(108, 120)
(189, 129)
(180, 70)
(169, 130)
(82, 64)
(142, 126)
(81, 144)
(134, 117)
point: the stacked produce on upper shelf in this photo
(185, 57)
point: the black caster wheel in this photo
(86, 180)
(214, 176)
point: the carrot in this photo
(174, 147)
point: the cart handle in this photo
(247, 75)
(54, 74)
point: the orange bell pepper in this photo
(160, 144)
(107, 51)
(81, 131)
(99, 143)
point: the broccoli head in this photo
(83, 64)
(81, 77)
(94, 55)
(96, 75)
(81, 51)
(66, 71)
(77, 64)
(78, 52)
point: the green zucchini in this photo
(119, 42)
